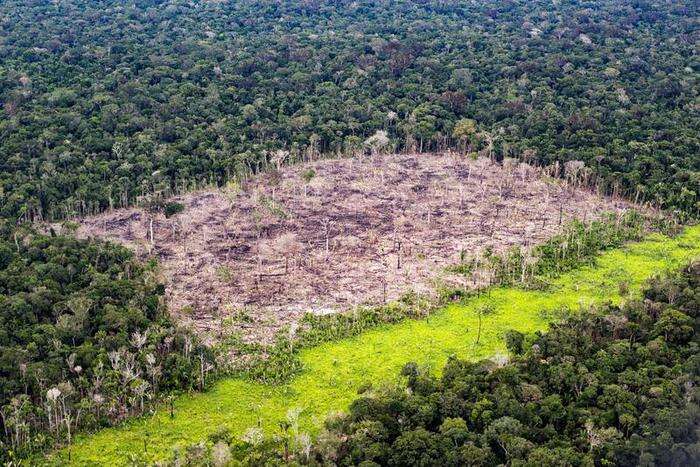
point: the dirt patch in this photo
(330, 235)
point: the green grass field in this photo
(334, 371)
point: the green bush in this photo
(173, 208)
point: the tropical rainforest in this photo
(107, 104)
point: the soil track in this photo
(329, 235)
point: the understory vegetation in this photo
(578, 244)
(84, 340)
(106, 103)
(280, 362)
(611, 385)
(332, 373)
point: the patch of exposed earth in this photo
(333, 234)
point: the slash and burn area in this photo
(327, 236)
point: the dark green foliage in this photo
(275, 364)
(308, 175)
(84, 340)
(613, 387)
(171, 209)
(105, 102)
(514, 342)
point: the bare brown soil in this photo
(359, 231)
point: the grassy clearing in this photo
(334, 371)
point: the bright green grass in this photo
(334, 371)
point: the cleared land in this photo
(334, 371)
(333, 234)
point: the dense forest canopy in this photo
(105, 101)
(84, 339)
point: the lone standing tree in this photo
(485, 309)
(465, 131)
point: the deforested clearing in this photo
(330, 235)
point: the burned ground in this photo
(329, 235)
